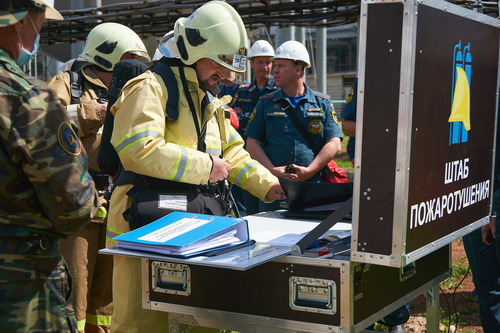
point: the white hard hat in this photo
(261, 48)
(293, 50)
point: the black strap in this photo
(163, 69)
(324, 226)
(255, 94)
(75, 86)
(287, 108)
(291, 114)
(201, 139)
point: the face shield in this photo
(140, 55)
(138, 51)
(166, 47)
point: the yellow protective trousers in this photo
(92, 277)
(129, 316)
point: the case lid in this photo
(426, 116)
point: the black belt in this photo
(129, 177)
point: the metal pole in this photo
(248, 73)
(321, 59)
(300, 35)
(76, 48)
(285, 34)
(478, 6)
(96, 4)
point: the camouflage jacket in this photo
(45, 187)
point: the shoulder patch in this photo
(334, 116)
(68, 140)
(252, 116)
(270, 94)
(350, 97)
(244, 85)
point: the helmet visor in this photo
(140, 55)
(228, 74)
(235, 65)
(235, 77)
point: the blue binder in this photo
(186, 234)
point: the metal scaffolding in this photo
(155, 18)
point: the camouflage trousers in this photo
(35, 287)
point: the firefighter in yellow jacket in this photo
(181, 152)
(82, 90)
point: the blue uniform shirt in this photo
(281, 140)
(225, 90)
(247, 96)
(349, 113)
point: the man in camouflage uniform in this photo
(46, 192)
(106, 44)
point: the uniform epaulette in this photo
(321, 95)
(269, 95)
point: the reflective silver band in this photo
(136, 137)
(244, 171)
(181, 165)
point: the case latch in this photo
(171, 278)
(312, 295)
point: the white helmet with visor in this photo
(214, 31)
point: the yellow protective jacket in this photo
(151, 144)
(86, 114)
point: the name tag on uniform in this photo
(276, 114)
(314, 112)
(173, 202)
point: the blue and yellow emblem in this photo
(460, 105)
(252, 115)
(334, 115)
(350, 96)
(68, 140)
(315, 126)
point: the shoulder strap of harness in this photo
(75, 86)
(76, 82)
(162, 68)
(107, 158)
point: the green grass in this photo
(445, 319)
(343, 161)
(464, 309)
(458, 271)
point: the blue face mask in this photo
(26, 56)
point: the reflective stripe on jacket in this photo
(151, 144)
